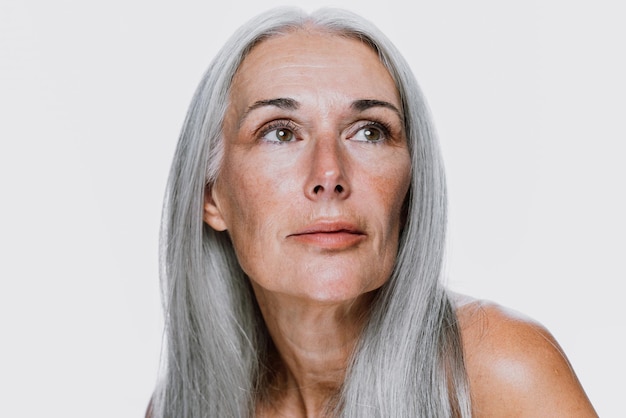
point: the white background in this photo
(528, 98)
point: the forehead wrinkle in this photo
(292, 69)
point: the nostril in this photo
(320, 189)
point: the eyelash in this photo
(279, 124)
(384, 128)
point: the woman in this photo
(303, 240)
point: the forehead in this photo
(313, 60)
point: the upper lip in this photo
(329, 227)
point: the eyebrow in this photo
(286, 103)
(281, 103)
(364, 104)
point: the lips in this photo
(330, 235)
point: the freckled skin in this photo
(263, 193)
(314, 290)
(515, 366)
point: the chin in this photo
(337, 289)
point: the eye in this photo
(279, 135)
(279, 131)
(370, 133)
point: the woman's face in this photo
(315, 170)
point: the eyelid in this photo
(274, 125)
(384, 128)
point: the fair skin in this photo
(316, 169)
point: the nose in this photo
(328, 171)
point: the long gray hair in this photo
(409, 360)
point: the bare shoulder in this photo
(515, 366)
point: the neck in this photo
(314, 342)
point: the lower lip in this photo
(330, 240)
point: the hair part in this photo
(217, 355)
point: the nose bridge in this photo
(327, 158)
(328, 168)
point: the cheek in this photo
(255, 206)
(390, 186)
(247, 230)
(245, 210)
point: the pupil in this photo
(372, 134)
(283, 135)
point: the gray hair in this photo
(409, 360)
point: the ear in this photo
(212, 213)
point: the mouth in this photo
(331, 236)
